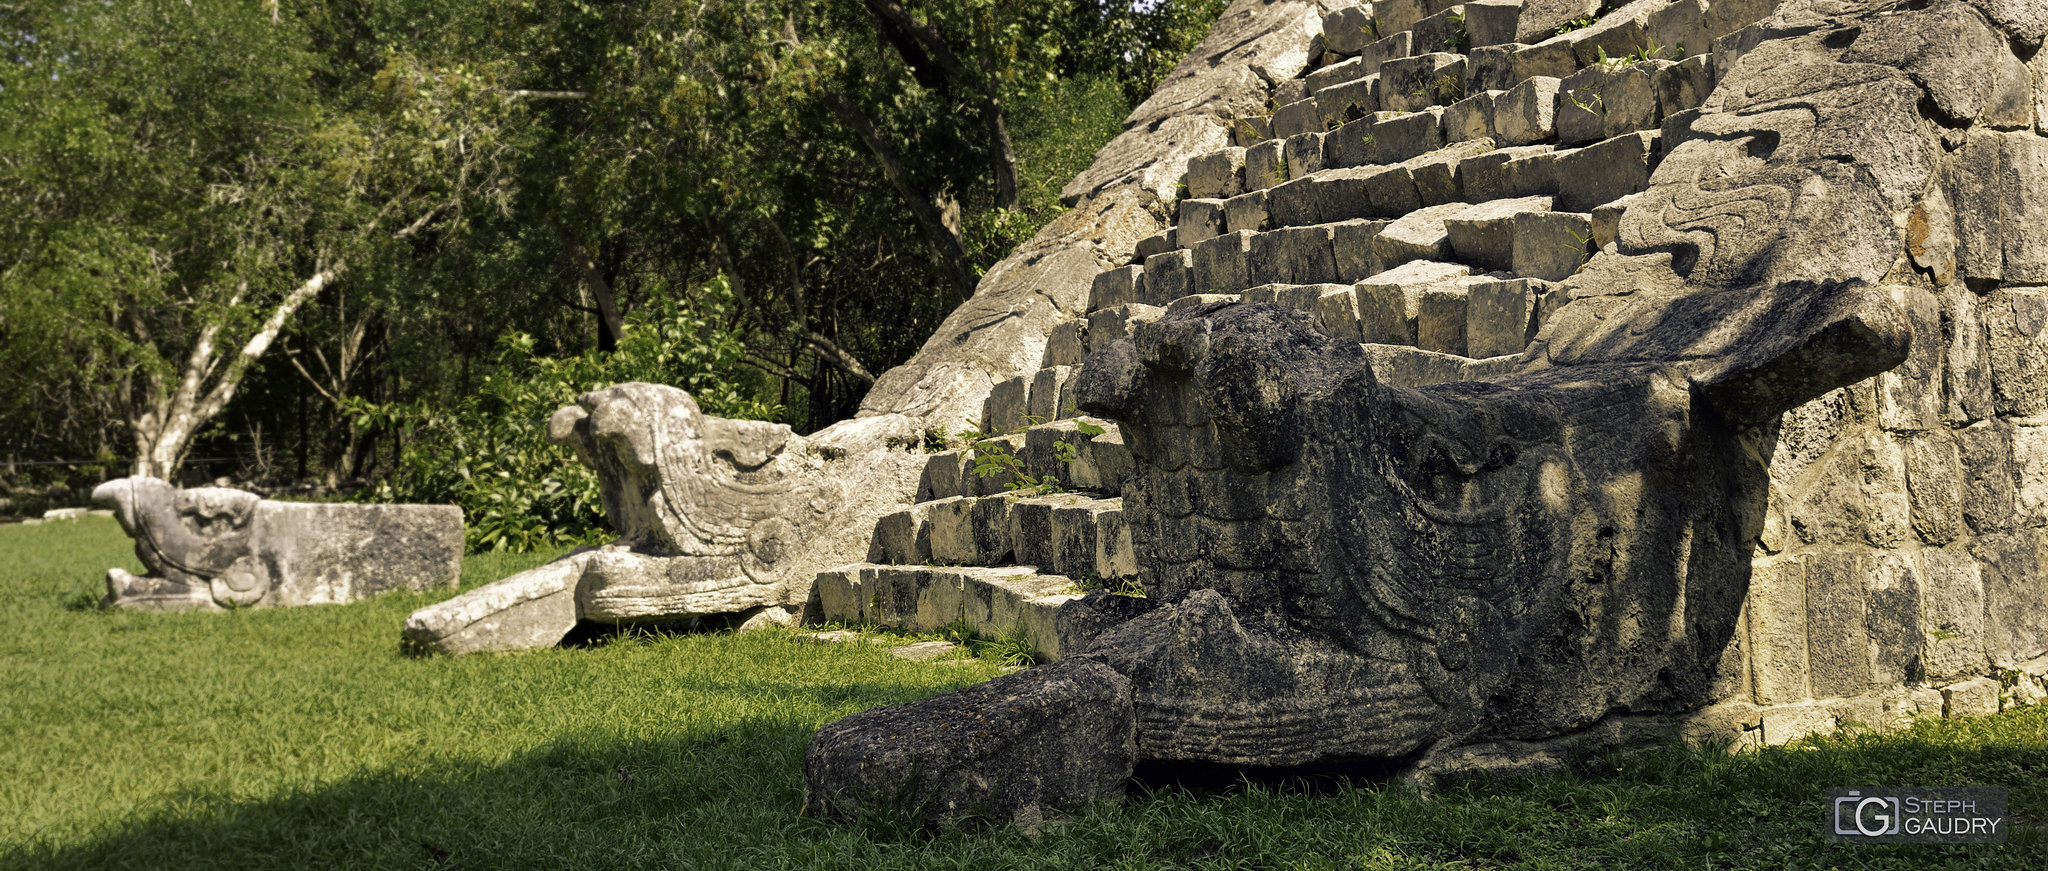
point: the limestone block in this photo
(1395, 16)
(2016, 320)
(1860, 495)
(1330, 76)
(1527, 113)
(992, 484)
(1218, 175)
(1606, 171)
(1348, 30)
(1970, 698)
(1777, 630)
(1440, 320)
(1300, 201)
(1402, 137)
(1375, 55)
(1934, 482)
(1296, 118)
(1351, 145)
(1391, 192)
(1838, 643)
(1156, 243)
(1539, 19)
(1345, 102)
(1419, 235)
(903, 537)
(1552, 58)
(1223, 264)
(2025, 22)
(1251, 130)
(534, 608)
(1484, 234)
(1336, 314)
(1352, 249)
(1404, 366)
(1200, 221)
(1301, 297)
(1509, 173)
(1043, 403)
(1018, 750)
(2015, 599)
(1788, 723)
(1551, 245)
(1414, 83)
(1501, 317)
(946, 473)
(1965, 374)
(1436, 176)
(1952, 609)
(1491, 68)
(1246, 212)
(1304, 154)
(1114, 287)
(1492, 22)
(1067, 344)
(1679, 29)
(2039, 68)
(1683, 85)
(1031, 529)
(1443, 31)
(1985, 449)
(971, 531)
(2005, 178)
(1909, 395)
(1090, 541)
(1263, 166)
(1607, 220)
(1006, 405)
(1389, 302)
(1470, 118)
(1289, 91)
(1293, 255)
(1167, 277)
(1966, 66)
(1605, 100)
(2030, 467)
(1112, 460)
(1580, 115)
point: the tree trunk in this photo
(945, 245)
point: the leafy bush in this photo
(490, 454)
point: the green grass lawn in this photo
(303, 739)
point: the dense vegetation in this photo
(295, 240)
(301, 738)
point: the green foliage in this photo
(489, 452)
(1580, 23)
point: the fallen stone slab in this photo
(216, 548)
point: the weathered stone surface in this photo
(1401, 137)
(1223, 264)
(1346, 102)
(1293, 255)
(1264, 165)
(1527, 113)
(1934, 481)
(1297, 118)
(1440, 320)
(1966, 66)
(1397, 44)
(1501, 317)
(1470, 118)
(1217, 175)
(534, 608)
(1552, 58)
(1490, 68)
(1509, 173)
(1168, 276)
(1414, 83)
(1970, 698)
(1683, 85)
(1551, 245)
(1492, 23)
(1952, 606)
(945, 474)
(1246, 212)
(1605, 172)
(1540, 18)
(1348, 30)
(1113, 323)
(1115, 287)
(971, 531)
(216, 548)
(1484, 235)
(2015, 600)
(1021, 749)
(1303, 154)
(1067, 345)
(1351, 247)
(1988, 493)
(1200, 221)
(903, 538)
(1007, 404)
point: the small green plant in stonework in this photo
(1280, 170)
(1461, 39)
(1580, 23)
(1449, 89)
(1590, 105)
(1248, 133)
(993, 459)
(1583, 247)
(1645, 53)
(1130, 587)
(1372, 28)
(1013, 649)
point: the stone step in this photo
(1096, 463)
(1403, 366)
(1047, 610)
(1072, 534)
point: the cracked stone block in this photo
(1245, 212)
(1605, 171)
(1527, 113)
(1509, 173)
(1484, 234)
(1418, 235)
(1304, 154)
(1351, 145)
(971, 531)
(1415, 83)
(1044, 399)
(1200, 221)
(1551, 59)
(1223, 264)
(1387, 303)
(1293, 255)
(1607, 220)
(1551, 245)
(1491, 23)
(1440, 320)
(1348, 30)
(1167, 276)
(1218, 175)
(1970, 698)
(1090, 541)
(1067, 344)
(902, 537)
(1413, 134)
(1683, 85)
(1346, 102)
(1336, 314)
(1115, 287)
(1007, 401)
(1296, 118)
(1500, 317)
(945, 474)
(1443, 31)
(1470, 118)
(1352, 249)
(1111, 324)
(1263, 167)
(1331, 76)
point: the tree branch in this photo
(830, 352)
(945, 245)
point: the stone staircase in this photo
(1422, 191)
